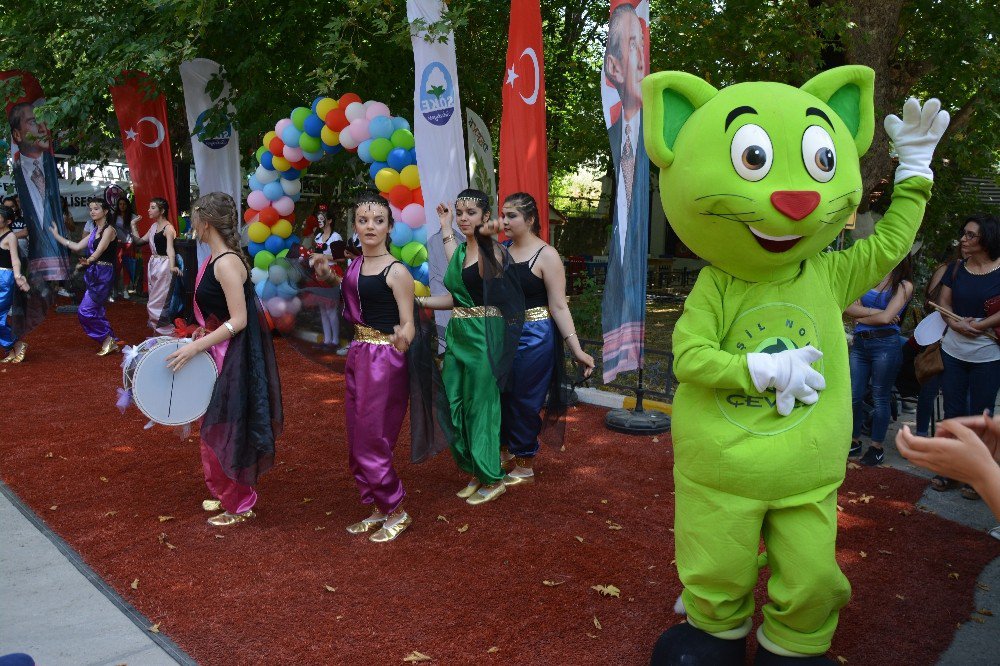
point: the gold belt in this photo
(540, 313)
(371, 335)
(478, 311)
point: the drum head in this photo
(139, 351)
(173, 398)
(930, 329)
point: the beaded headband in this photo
(482, 203)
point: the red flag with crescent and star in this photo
(142, 118)
(524, 163)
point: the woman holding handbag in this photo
(969, 350)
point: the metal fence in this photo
(658, 380)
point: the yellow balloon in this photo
(410, 177)
(386, 179)
(267, 138)
(420, 289)
(325, 106)
(282, 229)
(280, 163)
(329, 137)
(258, 232)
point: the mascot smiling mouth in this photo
(774, 243)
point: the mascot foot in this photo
(686, 645)
(767, 658)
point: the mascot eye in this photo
(818, 154)
(751, 152)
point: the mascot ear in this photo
(668, 100)
(850, 92)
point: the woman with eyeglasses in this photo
(969, 350)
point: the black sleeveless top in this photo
(110, 255)
(5, 260)
(210, 296)
(160, 242)
(473, 282)
(533, 286)
(378, 305)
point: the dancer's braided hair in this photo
(219, 210)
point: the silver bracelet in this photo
(232, 331)
(568, 336)
(448, 238)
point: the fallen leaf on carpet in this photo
(983, 586)
(881, 487)
(493, 649)
(164, 519)
(219, 536)
(612, 525)
(673, 562)
(953, 575)
(155, 629)
(904, 512)
(863, 554)
(978, 619)
(329, 589)
(852, 465)
(842, 660)
(443, 518)
(49, 455)
(597, 623)
(866, 498)
(589, 511)
(886, 552)
(604, 501)
(104, 479)
(329, 513)
(318, 528)
(110, 513)
(579, 538)
(652, 566)
(986, 612)
(562, 448)
(607, 590)
(591, 636)
(340, 617)
(415, 657)
(851, 492)
(901, 597)
(853, 501)
(656, 439)
(552, 583)
(53, 507)
(163, 540)
(656, 495)
(463, 528)
(840, 508)
(306, 500)
(135, 584)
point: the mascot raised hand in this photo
(758, 179)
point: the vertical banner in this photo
(142, 119)
(36, 180)
(482, 172)
(524, 162)
(216, 158)
(437, 129)
(626, 63)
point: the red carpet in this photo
(464, 584)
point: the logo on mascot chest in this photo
(766, 329)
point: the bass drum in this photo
(166, 397)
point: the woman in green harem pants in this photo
(469, 382)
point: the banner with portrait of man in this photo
(626, 63)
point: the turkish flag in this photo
(142, 119)
(524, 163)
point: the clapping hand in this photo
(398, 339)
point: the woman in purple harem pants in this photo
(102, 249)
(378, 299)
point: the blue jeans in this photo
(969, 388)
(875, 361)
(925, 404)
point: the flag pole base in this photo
(637, 422)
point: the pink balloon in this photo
(347, 139)
(280, 126)
(355, 111)
(376, 109)
(292, 154)
(276, 306)
(284, 206)
(397, 213)
(359, 130)
(257, 200)
(293, 306)
(413, 216)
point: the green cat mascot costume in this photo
(758, 179)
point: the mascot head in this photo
(759, 176)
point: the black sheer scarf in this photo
(430, 412)
(502, 295)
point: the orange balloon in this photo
(269, 216)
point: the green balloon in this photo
(259, 153)
(396, 251)
(310, 144)
(299, 115)
(413, 253)
(280, 260)
(402, 138)
(263, 260)
(380, 149)
(281, 255)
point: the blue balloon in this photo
(400, 123)
(286, 290)
(399, 158)
(400, 234)
(265, 290)
(381, 127)
(365, 151)
(313, 157)
(293, 239)
(316, 103)
(420, 235)
(256, 184)
(274, 244)
(290, 136)
(313, 125)
(288, 243)
(376, 167)
(254, 248)
(295, 197)
(266, 160)
(423, 273)
(413, 155)
(291, 174)
(273, 191)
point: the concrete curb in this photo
(592, 396)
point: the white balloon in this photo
(257, 275)
(291, 187)
(346, 140)
(265, 176)
(294, 306)
(277, 275)
(355, 111)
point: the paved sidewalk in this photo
(54, 608)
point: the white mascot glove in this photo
(789, 373)
(915, 137)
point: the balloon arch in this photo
(382, 141)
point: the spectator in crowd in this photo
(18, 225)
